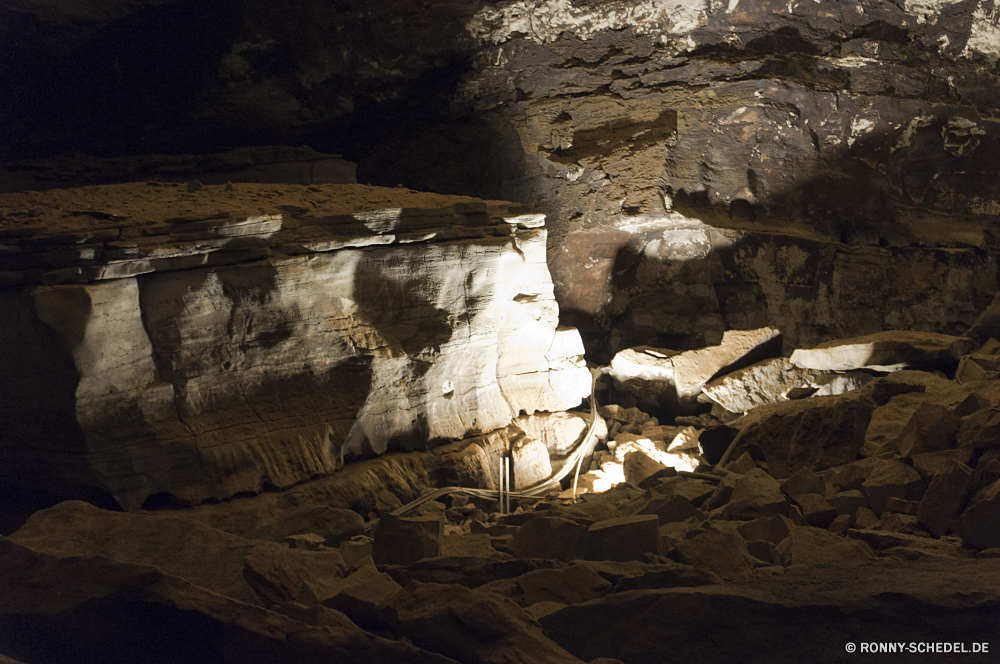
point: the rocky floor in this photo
(781, 551)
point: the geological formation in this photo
(703, 164)
(203, 341)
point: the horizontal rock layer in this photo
(159, 349)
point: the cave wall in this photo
(823, 167)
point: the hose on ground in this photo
(573, 464)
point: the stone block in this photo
(932, 463)
(759, 384)
(772, 529)
(548, 537)
(756, 494)
(841, 524)
(892, 478)
(883, 351)
(900, 506)
(405, 540)
(469, 546)
(720, 550)
(331, 524)
(355, 550)
(622, 539)
(638, 466)
(848, 502)
(358, 595)
(932, 428)
(816, 510)
(814, 546)
(980, 430)
(865, 518)
(802, 481)
(945, 498)
(977, 526)
(677, 508)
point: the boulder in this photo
(932, 463)
(89, 608)
(848, 502)
(980, 430)
(622, 539)
(671, 381)
(470, 626)
(977, 526)
(358, 595)
(177, 546)
(356, 550)
(883, 351)
(569, 585)
(892, 478)
(278, 578)
(771, 529)
(946, 496)
(802, 481)
(900, 506)
(560, 432)
(676, 508)
(865, 518)
(331, 524)
(530, 462)
(815, 546)
(404, 540)
(756, 385)
(638, 465)
(478, 545)
(841, 524)
(816, 510)
(816, 433)
(932, 428)
(756, 494)
(548, 537)
(841, 383)
(720, 550)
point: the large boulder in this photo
(671, 381)
(946, 496)
(883, 351)
(766, 382)
(68, 608)
(470, 626)
(978, 524)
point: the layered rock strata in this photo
(201, 341)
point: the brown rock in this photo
(764, 551)
(892, 478)
(146, 615)
(470, 626)
(548, 537)
(356, 550)
(802, 481)
(638, 466)
(945, 498)
(404, 540)
(719, 550)
(865, 518)
(277, 577)
(987, 472)
(841, 524)
(361, 592)
(979, 430)
(815, 546)
(332, 524)
(971, 404)
(931, 429)
(883, 351)
(929, 465)
(622, 539)
(850, 476)
(899, 523)
(756, 494)
(816, 510)
(848, 502)
(772, 529)
(474, 545)
(977, 526)
(900, 506)
(677, 508)
(568, 585)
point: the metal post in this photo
(506, 468)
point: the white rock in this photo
(884, 351)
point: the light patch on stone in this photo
(984, 38)
(979, 206)
(960, 134)
(906, 137)
(850, 61)
(545, 20)
(859, 127)
(732, 5)
(927, 11)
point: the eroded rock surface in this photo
(177, 345)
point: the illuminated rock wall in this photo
(185, 366)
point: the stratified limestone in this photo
(884, 351)
(202, 354)
(672, 381)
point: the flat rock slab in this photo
(807, 614)
(884, 351)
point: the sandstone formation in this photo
(168, 343)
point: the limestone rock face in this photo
(202, 356)
(886, 351)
